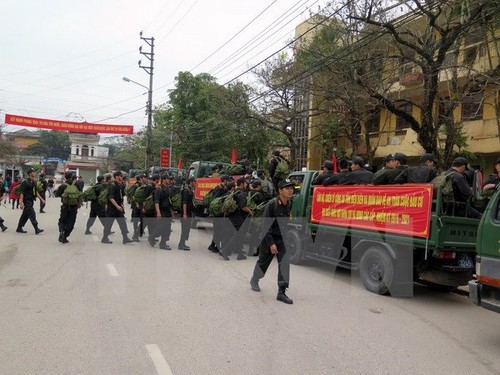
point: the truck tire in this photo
(294, 247)
(376, 270)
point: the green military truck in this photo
(485, 290)
(394, 235)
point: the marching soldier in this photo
(26, 202)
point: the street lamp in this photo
(137, 83)
(149, 112)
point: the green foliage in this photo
(51, 144)
(207, 120)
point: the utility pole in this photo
(149, 105)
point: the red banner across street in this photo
(77, 127)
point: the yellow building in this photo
(477, 108)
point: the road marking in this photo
(112, 270)
(161, 364)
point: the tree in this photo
(51, 144)
(331, 59)
(425, 45)
(207, 120)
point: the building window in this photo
(472, 106)
(401, 123)
(85, 150)
(373, 122)
(92, 151)
(77, 150)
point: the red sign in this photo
(77, 127)
(204, 185)
(401, 209)
(165, 157)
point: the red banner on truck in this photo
(400, 209)
(77, 127)
(204, 185)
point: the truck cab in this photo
(388, 257)
(485, 290)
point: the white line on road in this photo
(161, 364)
(112, 270)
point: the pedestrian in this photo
(2, 193)
(278, 168)
(14, 197)
(42, 189)
(70, 202)
(137, 215)
(276, 216)
(234, 241)
(115, 209)
(217, 192)
(187, 213)
(257, 198)
(50, 187)
(96, 210)
(163, 209)
(7, 186)
(27, 197)
(148, 211)
(80, 184)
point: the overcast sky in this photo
(65, 59)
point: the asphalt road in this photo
(88, 308)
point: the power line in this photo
(262, 34)
(286, 46)
(235, 35)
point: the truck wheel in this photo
(376, 270)
(294, 246)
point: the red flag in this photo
(179, 164)
(234, 157)
(334, 161)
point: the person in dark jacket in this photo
(163, 209)
(326, 173)
(494, 179)
(276, 215)
(137, 218)
(234, 242)
(338, 178)
(462, 191)
(115, 209)
(2, 193)
(388, 173)
(96, 210)
(358, 175)
(258, 199)
(42, 191)
(149, 215)
(27, 201)
(67, 217)
(187, 213)
(219, 191)
(422, 174)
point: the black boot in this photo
(20, 230)
(283, 297)
(126, 240)
(3, 227)
(38, 230)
